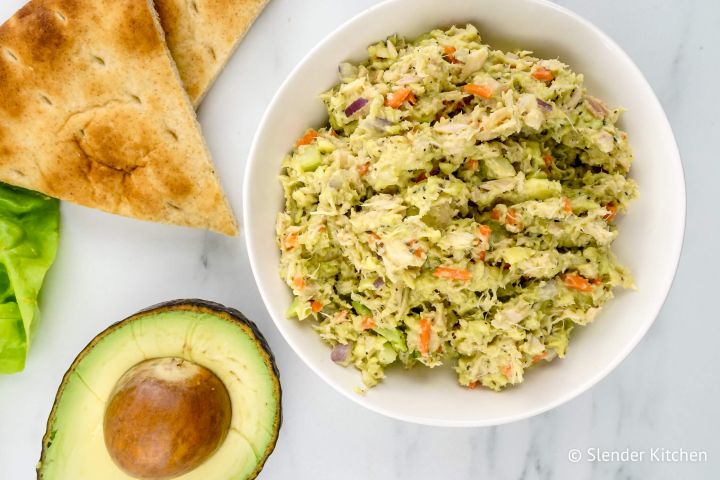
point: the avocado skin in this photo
(192, 305)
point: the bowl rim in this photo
(252, 163)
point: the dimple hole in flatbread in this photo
(211, 50)
(11, 55)
(60, 15)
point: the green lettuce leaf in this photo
(28, 242)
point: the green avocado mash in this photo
(28, 242)
(459, 208)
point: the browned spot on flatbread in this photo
(120, 158)
(68, 7)
(47, 36)
(5, 150)
(65, 175)
(177, 183)
(138, 186)
(112, 138)
(47, 43)
(27, 9)
(169, 13)
(10, 77)
(49, 39)
(139, 34)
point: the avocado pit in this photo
(165, 417)
(119, 415)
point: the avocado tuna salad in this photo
(458, 209)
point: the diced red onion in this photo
(379, 282)
(355, 106)
(544, 106)
(340, 353)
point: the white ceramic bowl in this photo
(650, 235)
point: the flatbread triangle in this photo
(202, 35)
(92, 111)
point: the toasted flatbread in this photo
(202, 35)
(92, 111)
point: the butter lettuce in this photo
(28, 243)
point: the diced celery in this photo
(447, 168)
(309, 158)
(540, 188)
(325, 146)
(584, 204)
(361, 309)
(292, 311)
(515, 255)
(394, 336)
(499, 168)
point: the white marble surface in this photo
(665, 395)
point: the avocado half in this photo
(185, 336)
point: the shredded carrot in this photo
(374, 236)
(322, 228)
(484, 231)
(449, 52)
(399, 97)
(290, 241)
(495, 214)
(566, 205)
(451, 273)
(479, 90)
(472, 385)
(418, 252)
(482, 255)
(368, 323)
(363, 169)
(506, 370)
(543, 74)
(510, 218)
(306, 139)
(548, 159)
(424, 341)
(472, 165)
(316, 306)
(596, 281)
(299, 281)
(612, 209)
(577, 282)
(539, 357)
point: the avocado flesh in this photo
(219, 339)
